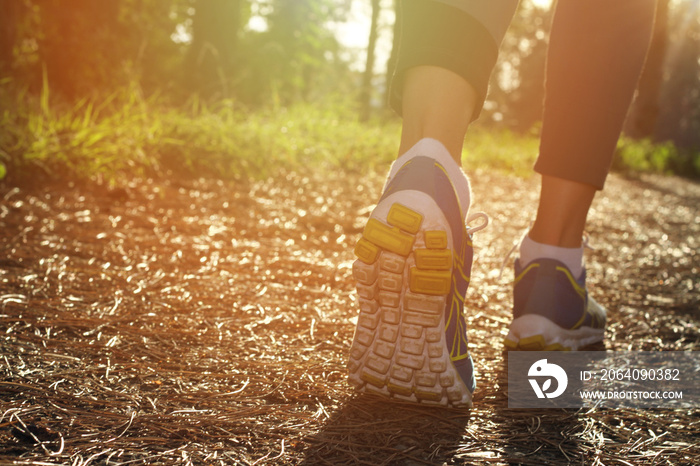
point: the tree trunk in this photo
(641, 122)
(77, 45)
(210, 61)
(366, 89)
(9, 16)
(394, 55)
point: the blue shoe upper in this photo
(546, 287)
(424, 174)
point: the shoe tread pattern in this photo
(399, 348)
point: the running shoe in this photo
(552, 310)
(412, 272)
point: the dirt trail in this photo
(203, 322)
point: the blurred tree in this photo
(77, 45)
(89, 47)
(296, 55)
(645, 109)
(9, 17)
(516, 88)
(366, 86)
(393, 56)
(154, 51)
(679, 115)
(211, 58)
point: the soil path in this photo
(204, 322)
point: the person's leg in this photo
(562, 212)
(447, 50)
(596, 53)
(595, 56)
(415, 254)
(437, 104)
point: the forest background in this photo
(109, 90)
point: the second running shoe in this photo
(552, 310)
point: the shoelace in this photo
(517, 243)
(477, 215)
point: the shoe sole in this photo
(533, 332)
(403, 275)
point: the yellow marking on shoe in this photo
(510, 344)
(580, 321)
(459, 357)
(459, 338)
(369, 378)
(455, 288)
(461, 271)
(431, 282)
(460, 256)
(459, 202)
(579, 289)
(456, 306)
(388, 238)
(435, 239)
(402, 217)
(533, 343)
(366, 251)
(556, 347)
(430, 396)
(527, 269)
(433, 259)
(399, 390)
(454, 345)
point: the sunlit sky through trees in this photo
(353, 33)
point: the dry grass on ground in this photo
(203, 322)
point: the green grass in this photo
(502, 150)
(125, 135)
(647, 156)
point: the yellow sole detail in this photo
(399, 390)
(431, 282)
(433, 259)
(533, 343)
(510, 344)
(435, 239)
(366, 251)
(556, 347)
(391, 239)
(404, 218)
(371, 379)
(429, 396)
